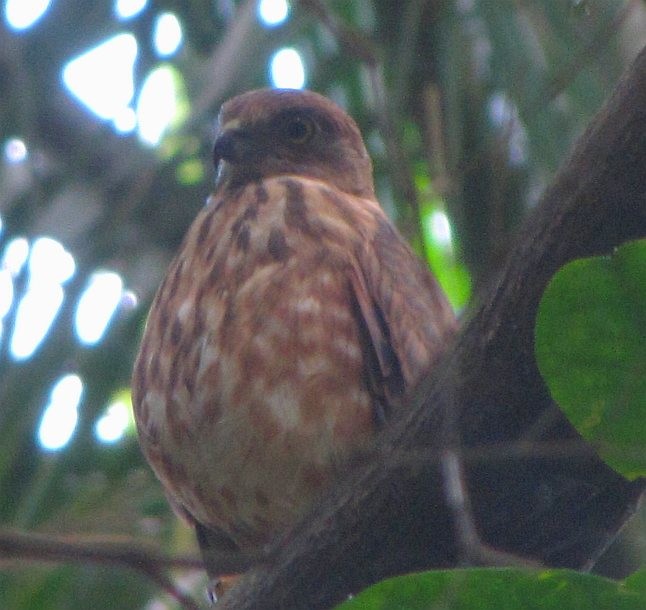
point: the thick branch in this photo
(398, 512)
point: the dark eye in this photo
(299, 129)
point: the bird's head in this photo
(273, 132)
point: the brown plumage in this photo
(291, 323)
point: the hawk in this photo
(290, 326)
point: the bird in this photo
(290, 328)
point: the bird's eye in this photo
(300, 130)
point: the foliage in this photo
(501, 589)
(591, 349)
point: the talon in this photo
(217, 587)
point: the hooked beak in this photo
(237, 154)
(226, 147)
(232, 144)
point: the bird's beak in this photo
(232, 144)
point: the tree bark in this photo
(483, 454)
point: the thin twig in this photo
(474, 550)
(29, 546)
(96, 549)
(435, 145)
(590, 51)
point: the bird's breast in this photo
(250, 386)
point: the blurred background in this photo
(107, 110)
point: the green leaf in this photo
(591, 351)
(501, 589)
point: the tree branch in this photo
(392, 515)
(100, 550)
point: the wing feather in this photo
(407, 317)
